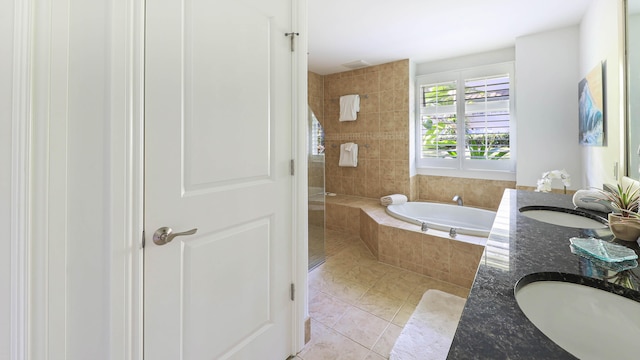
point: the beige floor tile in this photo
(358, 305)
(359, 252)
(373, 356)
(404, 314)
(327, 309)
(366, 274)
(380, 304)
(415, 297)
(343, 289)
(328, 344)
(313, 292)
(361, 326)
(338, 264)
(394, 286)
(315, 277)
(384, 345)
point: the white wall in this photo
(89, 237)
(463, 62)
(600, 40)
(6, 80)
(547, 105)
(84, 245)
(71, 239)
(412, 117)
(634, 95)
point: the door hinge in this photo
(293, 167)
(293, 292)
(143, 239)
(293, 35)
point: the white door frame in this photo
(300, 133)
(38, 316)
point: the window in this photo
(316, 141)
(465, 119)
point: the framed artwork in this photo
(592, 114)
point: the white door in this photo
(217, 153)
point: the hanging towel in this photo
(394, 199)
(349, 107)
(348, 155)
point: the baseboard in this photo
(307, 330)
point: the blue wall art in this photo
(592, 115)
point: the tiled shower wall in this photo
(381, 130)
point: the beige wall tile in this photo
(436, 253)
(388, 245)
(373, 151)
(393, 261)
(353, 220)
(410, 247)
(371, 103)
(475, 192)
(360, 186)
(439, 275)
(386, 121)
(407, 265)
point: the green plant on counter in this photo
(624, 200)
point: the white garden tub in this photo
(462, 219)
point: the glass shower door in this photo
(316, 192)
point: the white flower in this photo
(544, 184)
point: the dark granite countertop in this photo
(492, 325)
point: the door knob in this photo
(165, 234)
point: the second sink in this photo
(581, 315)
(564, 217)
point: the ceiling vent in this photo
(356, 64)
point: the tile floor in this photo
(357, 305)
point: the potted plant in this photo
(625, 221)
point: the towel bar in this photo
(335, 146)
(365, 96)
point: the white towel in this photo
(393, 199)
(348, 155)
(349, 107)
(593, 200)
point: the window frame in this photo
(460, 164)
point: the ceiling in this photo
(380, 31)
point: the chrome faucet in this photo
(458, 199)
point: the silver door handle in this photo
(165, 234)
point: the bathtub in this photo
(444, 217)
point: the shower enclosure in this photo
(316, 191)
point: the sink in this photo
(581, 316)
(564, 217)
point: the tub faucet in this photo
(458, 199)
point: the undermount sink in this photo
(564, 217)
(579, 315)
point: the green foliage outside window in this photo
(439, 136)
